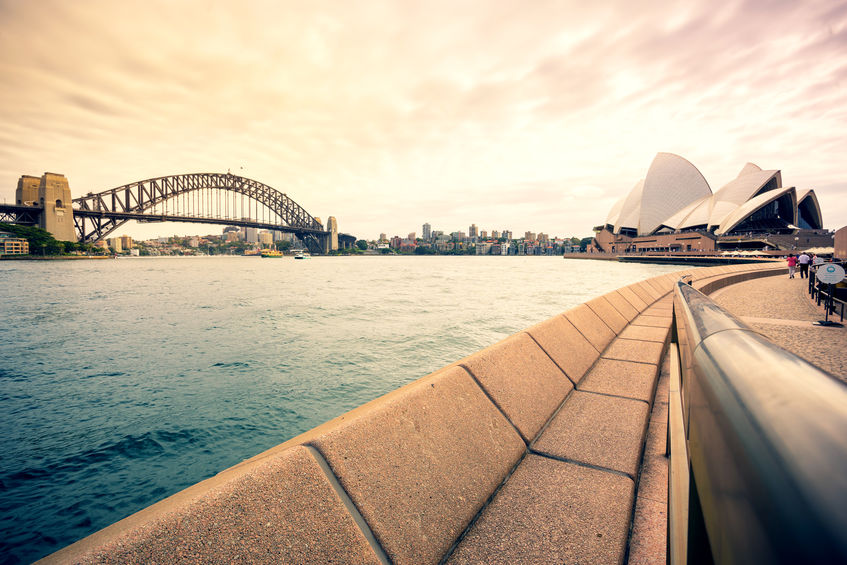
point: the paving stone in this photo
(645, 333)
(552, 512)
(599, 430)
(565, 345)
(653, 482)
(420, 462)
(621, 378)
(651, 289)
(662, 284)
(630, 296)
(654, 321)
(622, 305)
(591, 326)
(522, 381)
(283, 510)
(648, 545)
(635, 350)
(657, 432)
(608, 313)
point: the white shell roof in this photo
(811, 197)
(672, 183)
(615, 212)
(740, 190)
(631, 208)
(752, 205)
(695, 214)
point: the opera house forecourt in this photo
(673, 209)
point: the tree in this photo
(584, 243)
(362, 244)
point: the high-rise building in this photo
(495, 234)
(483, 234)
(472, 231)
(427, 232)
(529, 236)
(411, 236)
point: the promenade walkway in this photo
(780, 309)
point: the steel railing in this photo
(758, 444)
(821, 293)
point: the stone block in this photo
(599, 430)
(522, 380)
(653, 481)
(635, 350)
(421, 461)
(637, 302)
(552, 512)
(657, 431)
(663, 321)
(591, 326)
(621, 378)
(646, 333)
(653, 293)
(622, 305)
(566, 346)
(649, 534)
(284, 510)
(642, 292)
(608, 313)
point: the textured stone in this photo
(660, 310)
(608, 313)
(635, 350)
(599, 430)
(653, 482)
(649, 534)
(657, 432)
(283, 510)
(645, 333)
(637, 302)
(622, 305)
(522, 380)
(591, 326)
(654, 321)
(566, 346)
(552, 512)
(420, 462)
(621, 378)
(645, 292)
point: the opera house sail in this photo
(674, 209)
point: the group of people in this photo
(804, 260)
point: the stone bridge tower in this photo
(52, 194)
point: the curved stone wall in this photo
(529, 448)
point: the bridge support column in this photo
(53, 195)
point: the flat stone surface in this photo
(608, 313)
(282, 511)
(622, 305)
(621, 378)
(654, 321)
(635, 350)
(659, 309)
(777, 307)
(522, 380)
(420, 462)
(646, 333)
(591, 326)
(648, 545)
(566, 346)
(552, 512)
(599, 430)
(645, 292)
(637, 302)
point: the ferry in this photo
(271, 253)
(302, 255)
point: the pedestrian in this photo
(804, 261)
(792, 265)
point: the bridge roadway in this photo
(546, 447)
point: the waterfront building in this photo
(427, 232)
(529, 236)
(193, 241)
(674, 209)
(483, 248)
(266, 238)
(126, 241)
(12, 245)
(495, 234)
(472, 231)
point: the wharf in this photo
(549, 446)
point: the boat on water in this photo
(301, 255)
(266, 253)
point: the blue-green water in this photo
(124, 381)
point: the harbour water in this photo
(125, 381)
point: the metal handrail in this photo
(819, 294)
(765, 436)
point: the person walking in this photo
(804, 261)
(792, 265)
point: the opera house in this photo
(673, 209)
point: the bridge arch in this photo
(98, 215)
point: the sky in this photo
(521, 115)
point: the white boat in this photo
(301, 255)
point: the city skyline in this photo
(391, 114)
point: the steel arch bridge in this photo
(210, 198)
